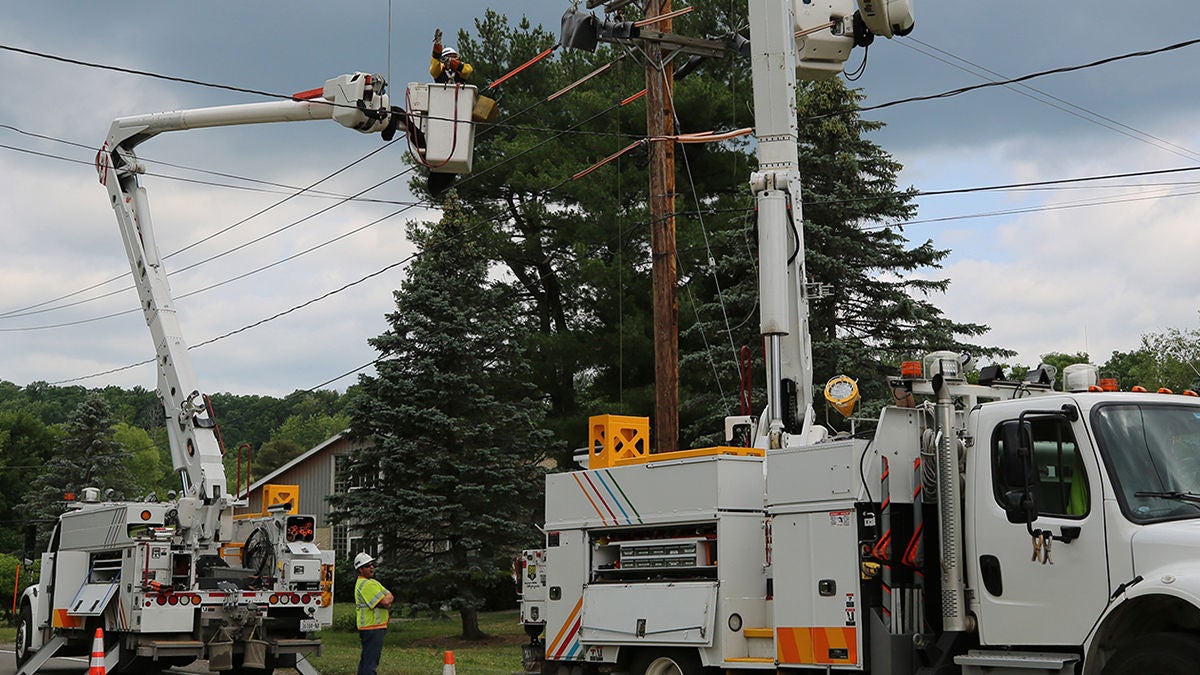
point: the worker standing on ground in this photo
(371, 603)
(446, 66)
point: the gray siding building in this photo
(317, 474)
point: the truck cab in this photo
(1100, 557)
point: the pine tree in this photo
(452, 476)
(577, 256)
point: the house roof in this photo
(299, 459)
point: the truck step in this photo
(749, 659)
(979, 661)
(171, 648)
(297, 643)
(767, 633)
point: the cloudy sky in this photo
(1080, 267)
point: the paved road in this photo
(8, 663)
(79, 665)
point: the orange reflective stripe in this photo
(802, 645)
(63, 620)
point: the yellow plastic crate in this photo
(617, 438)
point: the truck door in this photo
(1027, 595)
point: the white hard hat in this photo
(362, 559)
(449, 51)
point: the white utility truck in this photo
(1001, 527)
(173, 581)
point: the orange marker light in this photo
(1138, 388)
(910, 369)
(1108, 384)
(1164, 390)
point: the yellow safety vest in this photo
(368, 614)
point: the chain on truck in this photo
(1001, 527)
(173, 581)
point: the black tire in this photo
(24, 638)
(666, 662)
(1157, 654)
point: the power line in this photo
(473, 176)
(1000, 83)
(283, 187)
(1067, 107)
(25, 310)
(560, 132)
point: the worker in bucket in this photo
(446, 66)
(371, 603)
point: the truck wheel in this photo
(669, 662)
(24, 635)
(1157, 654)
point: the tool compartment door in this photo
(92, 599)
(666, 613)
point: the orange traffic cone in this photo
(96, 665)
(448, 668)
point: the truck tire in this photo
(668, 662)
(1157, 654)
(24, 638)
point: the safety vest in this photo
(368, 614)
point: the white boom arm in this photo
(358, 101)
(823, 33)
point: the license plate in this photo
(309, 625)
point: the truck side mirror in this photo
(1020, 507)
(30, 539)
(1017, 471)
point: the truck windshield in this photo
(1153, 454)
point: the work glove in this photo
(455, 65)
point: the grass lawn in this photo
(418, 647)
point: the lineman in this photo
(371, 602)
(445, 66)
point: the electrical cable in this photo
(560, 132)
(331, 293)
(23, 311)
(954, 92)
(712, 264)
(1024, 78)
(1075, 110)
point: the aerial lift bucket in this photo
(444, 114)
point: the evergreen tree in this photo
(577, 251)
(25, 444)
(453, 470)
(88, 455)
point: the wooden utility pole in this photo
(660, 121)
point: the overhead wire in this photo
(893, 225)
(712, 265)
(1014, 80)
(33, 309)
(473, 176)
(560, 132)
(24, 311)
(1038, 95)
